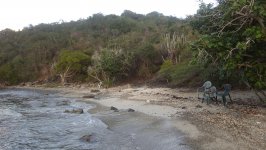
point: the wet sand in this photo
(138, 131)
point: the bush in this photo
(72, 63)
(182, 74)
(168, 64)
(116, 64)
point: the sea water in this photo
(31, 119)
(36, 120)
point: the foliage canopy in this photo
(41, 45)
(71, 63)
(233, 40)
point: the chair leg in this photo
(230, 97)
(224, 100)
(216, 99)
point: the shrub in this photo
(72, 63)
(183, 74)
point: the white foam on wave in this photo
(8, 113)
(97, 123)
(82, 105)
(21, 93)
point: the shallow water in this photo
(36, 120)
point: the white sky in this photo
(16, 14)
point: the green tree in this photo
(138, 36)
(233, 40)
(111, 65)
(71, 63)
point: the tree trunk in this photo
(63, 79)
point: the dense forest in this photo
(100, 48)
(225, 43)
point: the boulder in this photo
(130, 110)
(75, 111)
(89, 96)
(86, 138)
(114, 109)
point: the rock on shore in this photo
(75, 111)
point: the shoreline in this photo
(204, 126)
(143, 127)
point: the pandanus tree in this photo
(174, 44)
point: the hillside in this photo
(223, 44)
(135, 39)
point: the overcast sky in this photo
(16, 14)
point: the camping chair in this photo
(208, 91)
(226, 92)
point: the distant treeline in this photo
(116, 48)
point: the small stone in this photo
(184, 107)
(75, 111)
(89, 96)
(198, 106)
(130, 110)
(95, 91)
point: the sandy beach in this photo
(202, 126)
